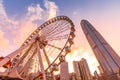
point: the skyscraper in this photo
(82, 70)
(100, 70)
(106, 56)
(64, 72)
(85, 71)
(77, 70)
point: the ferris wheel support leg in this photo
(40, 61)
(14, 54)
(48, 61)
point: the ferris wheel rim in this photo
(47, 23)
(29, 47)
(58, 18)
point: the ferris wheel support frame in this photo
(37, 43)
(48, 61)
(15, 53)
(40, 61)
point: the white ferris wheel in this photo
(42, 52)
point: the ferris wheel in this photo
(43, 51)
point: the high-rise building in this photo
(106, 56)
(101, 71)
(77, 70)
(64, 71)
(72, 76)
(84, 69)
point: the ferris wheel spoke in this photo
(58, 32)
(49, 28)
(48, 61)
(54, 46)
(23, 56)
(60, 37)
(21, 71)
(46, 56)
(56, 28)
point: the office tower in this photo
(84, 69)
(101, 71)
(72, 76)
(64, 72)
(106, 56)
(77, 70)
(102, 75)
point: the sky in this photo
(19, 18)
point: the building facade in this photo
(106, 56)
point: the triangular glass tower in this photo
(106, 56)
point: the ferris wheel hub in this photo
(42, 41)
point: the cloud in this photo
(2, 11)
(21, 34)
(20, 29)
(34, 13)
(3, 41)
(52, 9)
(4, 19)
